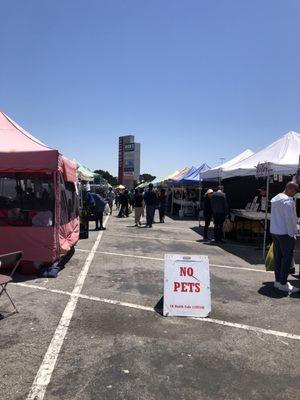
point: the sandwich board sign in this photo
(186, 286)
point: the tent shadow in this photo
(247, 252)
(19, 277)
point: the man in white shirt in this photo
(284, 230)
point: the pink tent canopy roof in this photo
(22, 152)
(14, 138)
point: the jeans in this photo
(283, 256)
(207, 220)
(99, 218)
(162, 212)
(219, 220)
(150, 210)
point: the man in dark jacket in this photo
(219, 207)
(150, 199)
(124, 201)
(207, 212)
(98, 203)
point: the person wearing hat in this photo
(207, 212)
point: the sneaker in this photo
(276, 284)
(288, 288)
(102, 228)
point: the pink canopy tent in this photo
(38, 197)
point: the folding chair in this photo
(9, 260)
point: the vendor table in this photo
(248, 225)
(247, 214)
(188, 206)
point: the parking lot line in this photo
(162, 259)
(43, 376)
(245, 327)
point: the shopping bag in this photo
(228, 226)
(269, 262)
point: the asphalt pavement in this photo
(96, 332)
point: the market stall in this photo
(38, 198)
(186, 190)
(272, 166)
(216, 173)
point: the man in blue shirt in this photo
(150, 199)
(98, 203)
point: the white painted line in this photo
(145, 308)
(162, 259)
(43, 376)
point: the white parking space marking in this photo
(145, 308)
(45, 371)
(162, 259)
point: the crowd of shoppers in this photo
(283, 226)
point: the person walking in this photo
(283, 229)
(110, 198)
(162, 200)
(124, 199)
(207, 212)
(150, 199)
(117, 199)
(98, 203)
(219, 207)
(139, 206)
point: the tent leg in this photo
(266, 215)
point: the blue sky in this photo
(194, 80)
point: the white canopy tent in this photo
(282, 156)
(217, 172)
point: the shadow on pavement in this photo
(18, 277)
(268, 290)
(160, 306)
(247, 252)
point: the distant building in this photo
(129, 161)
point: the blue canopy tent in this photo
(192, 178)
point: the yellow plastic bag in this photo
(269, 263)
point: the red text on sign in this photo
(187, 287)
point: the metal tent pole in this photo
(172, 204)
(266, 214)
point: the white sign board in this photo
(187, 286)
(263, 170)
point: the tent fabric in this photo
(20, 152)
(179, 175)
(161, 180)
(143, 185)
(69, 169)
(192, 177)
(282, 156)
(216, 172)
(84, 173)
